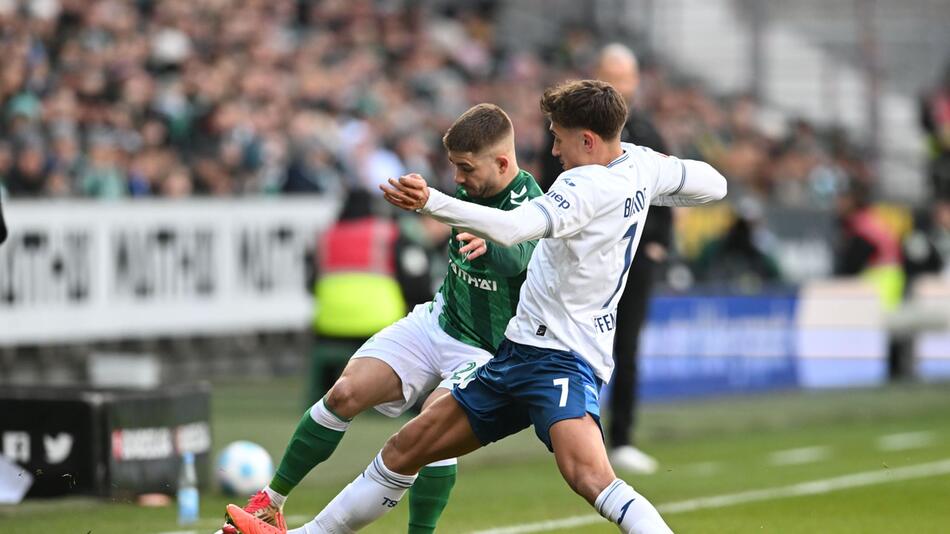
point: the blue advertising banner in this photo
(695, 345)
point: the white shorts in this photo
(422, 355)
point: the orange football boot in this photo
(259, 516)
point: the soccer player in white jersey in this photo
(558, 347)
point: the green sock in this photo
(428, 497)
(311, 444)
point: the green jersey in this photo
(481, 296)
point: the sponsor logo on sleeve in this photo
(559, 199)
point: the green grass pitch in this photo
(716, 457)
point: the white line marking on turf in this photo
(700, 469)
(906, 440)
(296, 518)
(814, 487)
(804, 455)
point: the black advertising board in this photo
(149, 432)
(105, 442)
(57, 440)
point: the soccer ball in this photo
(244, 468)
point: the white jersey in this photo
(591, 221)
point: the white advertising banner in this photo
(931, 295)
(87, 270)
(842, 338)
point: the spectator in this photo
(28, 176)
(420, 254)
(935, 118)
(101, 176)
(6, 163)
(743, 259)
(927, 248)
(867, 247)
(177, 184)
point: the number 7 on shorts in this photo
(563, 382)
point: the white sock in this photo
(275, 498)
(363, 501)
(444, 463)
(326, 418)
(630, 510)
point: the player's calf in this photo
(581, 456)
(441, 431)
(582, 459)
(404, 451)
(429, 495)
(589, 485)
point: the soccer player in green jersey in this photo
(438, 345)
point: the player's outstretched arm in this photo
(506, 228)
(685, 182)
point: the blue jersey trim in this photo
(619, 160)
(682, 179)
(549, 229)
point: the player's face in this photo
(568, 146)
(478, 174)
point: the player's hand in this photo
(474, 245)
(409, 192)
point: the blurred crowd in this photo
(220, 97)
(144, 98)
(110, 98)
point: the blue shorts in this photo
(524, 385)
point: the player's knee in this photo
(345, 399)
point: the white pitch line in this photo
(905, 441)
(290, 519)
(702, 469)
(804, 455)
(814, 487)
